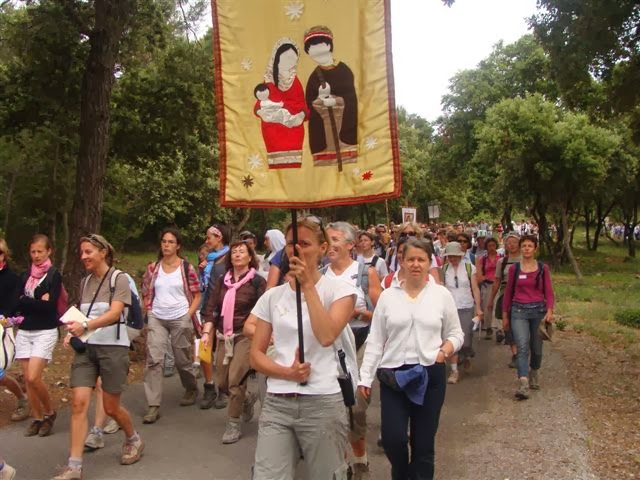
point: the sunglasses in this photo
(96, 241)
(408, 234)
(463, 240)
(317, 221)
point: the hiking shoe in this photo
(247, 407)
(95, 440)
(33, 428)
(232, 434)
(7, 472)
(111, 426)
(512, 363)
(69, 473)
(454, 376)
(22, 411)
(489, 334)
(534, 380)
(153, 414)
(209, 396)
(189, 398)
(360, 471)
(168, 371)
(499, 336)
(522, 393)
(47, 424)
(132, 451)
(221, 401)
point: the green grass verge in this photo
(611, 287)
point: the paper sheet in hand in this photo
(75, 315)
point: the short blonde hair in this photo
(4, 247)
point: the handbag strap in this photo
(93, 300)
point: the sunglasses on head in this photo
(96, 241)
(408, 234)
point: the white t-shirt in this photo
(350, 276)
(462, 293)
(278, 307)
(169, 300)
(380, 266)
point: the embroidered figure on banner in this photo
(281, 107)
(332, 101)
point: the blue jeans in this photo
(525, 319)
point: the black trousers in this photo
(398, 412)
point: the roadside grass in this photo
(611, 285)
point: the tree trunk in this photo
(567, 244)
(8, 200)
(65, 239)
(601, 215)
(95, 96)
(506, 219)
(587, 224)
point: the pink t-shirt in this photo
(525, 288)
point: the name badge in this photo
(522, 277)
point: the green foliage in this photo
(629, 318)
(561, 325)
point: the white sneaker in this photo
(454, 376)
(111, 426)
(8, 472)
(94, 440)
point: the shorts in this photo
(109, 362)
(36, 343)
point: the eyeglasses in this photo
(408, 234)
(463, 240)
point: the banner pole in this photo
(294, 230)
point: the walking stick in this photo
(294, 229)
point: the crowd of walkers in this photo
(399, 304)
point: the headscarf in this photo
(285, 79)
(276, 242)
(35, 274)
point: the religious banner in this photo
(409, 214)
(306, 109)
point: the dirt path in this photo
(484, 434)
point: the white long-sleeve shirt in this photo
(404, 330)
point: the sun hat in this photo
(453, 249)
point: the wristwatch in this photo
(85, 325)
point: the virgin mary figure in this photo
(281, 107)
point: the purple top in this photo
(525, 288)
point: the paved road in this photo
(478, 436)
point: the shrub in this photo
(561, 325)
(629, 318)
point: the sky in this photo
(431, 42)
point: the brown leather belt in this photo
(288, 395)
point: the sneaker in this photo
(189, 398)
(22, 411)
(209, 396)
(95, 440)
(221, 401)
(131, 452)
(247, 408)
(8, 472)
(499, 336)
(522, 393)
(534, 379)
(153, 414)
(47, 424)
(33, 428)
(69, 473)
(512, 363)
(489, 334)
(360, 471)
(111, 426)
(232, 434)
(454, 376)
(168, 371)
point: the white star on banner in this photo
(255, 161)
(370, 143)
(294, 10)
(246, 64)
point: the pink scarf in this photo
(229, 302)
(3, 264)
(36, 273)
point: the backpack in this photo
(7, 354)
(362, 281)
(388, 279)
(132, 315)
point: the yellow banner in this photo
(306, 110)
